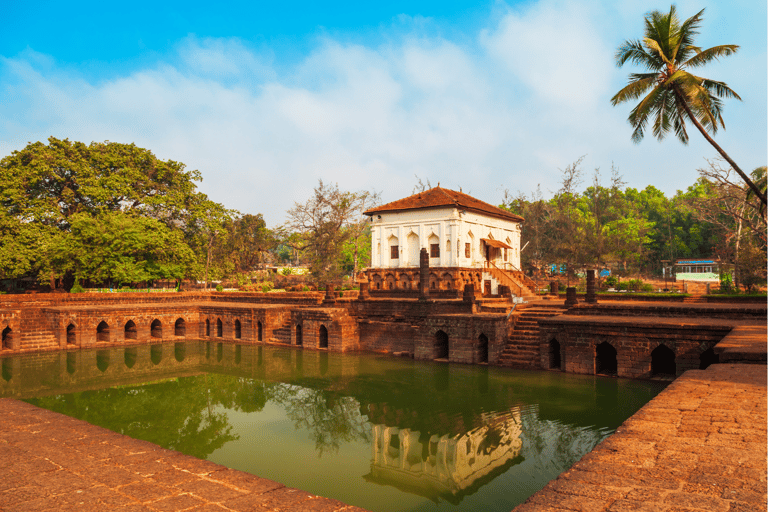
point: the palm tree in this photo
(668, 52)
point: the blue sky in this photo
(266, 98)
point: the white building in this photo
(458, 231)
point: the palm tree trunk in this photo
(706, 135)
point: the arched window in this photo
(433, 244)
(663, 361)
(7, 337)
(71, 334)
(180, 327)
(156, 329)
(394, 251)
(299, 339)
(260, 331)
(482, 349)
(238, 329)
(323, 337)
(605, 359)
(413, 249)
(441, 345)
(102, 332)
(219, 328)
(129, 331)
(554, 355)
(207, 327)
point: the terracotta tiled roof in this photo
(438, 197)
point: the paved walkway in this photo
(700, 445)
(52, 462)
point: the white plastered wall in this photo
(451, 227)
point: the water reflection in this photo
(447, 466)
(436, 432)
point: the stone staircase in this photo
(522, 350)
(520, 284)
(695, 299)
(282, 334)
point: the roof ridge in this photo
(446, 194)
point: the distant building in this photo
(468, 241)
(695, 270)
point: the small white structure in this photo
(457, 230)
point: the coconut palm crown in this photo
(671, 93)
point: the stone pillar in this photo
(363, 295)
(423, 274)
(469, 293)
(554, 288)
(329, 295)
(591, 287)
(570, 297)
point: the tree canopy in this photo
(106, 211)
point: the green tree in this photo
(44, 187)
(326, 221)
(120, 248)
(249, 242)
(670, 93)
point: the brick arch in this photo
(103, 330)
(391, 281)
(130, 331)
(70, 333)
(606, 356)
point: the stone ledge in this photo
(53, 462)
(698, 445)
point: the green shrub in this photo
(611, 281)
(726, 283)
(219, 288)
(267, 286)
(286, 271)
(646, 288)
(76, 288)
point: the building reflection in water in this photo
(448, 466)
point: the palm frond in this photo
(635, 52)
(638, 117)
(685, 36)
(679, 123)
(710, 54)
(719, 89)
(656, 49)
(664, 106)
(638, 84)
(659, 27)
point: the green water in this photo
(382, 433)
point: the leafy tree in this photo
(326, 222)
(249, 242)
(45, 187)
(120, 248)
(671, 93)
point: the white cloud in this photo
(528, 96)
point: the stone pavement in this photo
(52, 462)
(700, 445)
